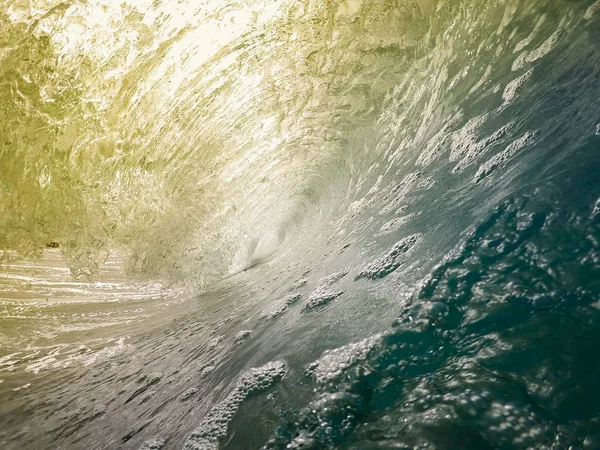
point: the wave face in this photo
(393, 209)
(183, 136)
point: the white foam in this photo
(503, 157)
(512, 88)
(335, 362)
(589, 14)
(214, 426)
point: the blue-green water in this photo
(392, 213)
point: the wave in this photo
(400, 196)
(178, 137)
(144, 130)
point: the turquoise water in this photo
(331, 225)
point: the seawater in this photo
(311, 225)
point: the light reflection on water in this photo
(50, 320)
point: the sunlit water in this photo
(309, 225)
(50, 320)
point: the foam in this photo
(333, 278)
(506, 155)
(283, 306)
(399, 192)
(214, 343)
(589, 14)
(512, 88)
(330, 367)
(188, 394)
(153, 444)
(298, 284)
(148, 381)
(480, 147)
(321, 296)
(206, 371)
(213, 427)
(395, 224)
(241, 336)
(389, 262)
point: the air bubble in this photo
(241, 336)
(320, 297)
(389, 262)
(153, 444)
(188, 394)
(214, 426)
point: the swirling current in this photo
(308, 224)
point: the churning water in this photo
(300, 224)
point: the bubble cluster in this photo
(517, 425)
(394, 224)
(321, 296)
(589, 13)
(506, 155)
(399, 192)
(389, 262)
(333, 278)
(153, 378)
(532, 56)
(325, 423)
(241, 336)
(298, 284)
(475, 149)
(213, 427)
(438, 143)
(206, 371)
(214, 343)
(147, 396)
(188, 394)
(284, 305)
(334, 363)
(153, 444)
(148, 381)
(464, 140)
(512, 88)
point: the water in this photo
(317, 225)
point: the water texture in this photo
(301, 224)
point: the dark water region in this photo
(300, 225)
